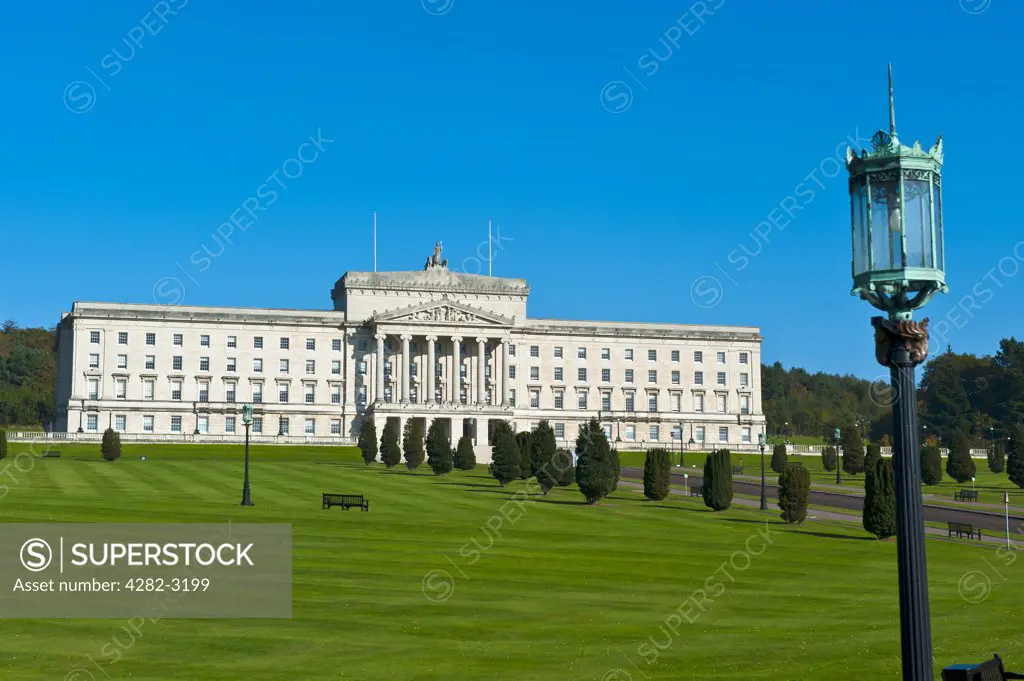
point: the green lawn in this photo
(560, 591)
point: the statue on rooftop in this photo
(435, 262)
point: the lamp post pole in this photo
(839, 461)
(764, 499)
(1006, 505)
(246, 421)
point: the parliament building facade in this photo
(404, 345)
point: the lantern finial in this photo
(892, 113)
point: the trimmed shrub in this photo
(465, 456)
(412, 444)
(880, 499)
(657, 470)
(852, 450)
(794, 490)
(931, 464)
(996, 457)
(542, 456)
(111, 445)
(3, 444)
(505, 466)
(717, 487)
(439, 449)
(960, 466)
(872, 453)
(390, 452)
(368, 441)
(1015, 459)
(829, 459)
(561, 462)
(524, 440)
(595, 463)
(779, 458)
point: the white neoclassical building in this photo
(404, 345)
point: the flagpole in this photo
(374, 241)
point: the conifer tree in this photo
(562, 465)
(872, 453)
(1015, 459)
(390, 451)
(657, 470)
(505, 464)
(595, 464)
(996, 457)
(959, 465)
(717, 486)
(465, 456)
(852, 450)
(524, 440)
(542, 457)
(794, 490)
(779, 457)
(829, 460)
(931, 464)
(3, 444)
(412, 444)
(439, 449)
(880, 499)
(111, 445)
(368, 441)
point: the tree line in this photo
(28, 375)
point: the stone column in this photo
(379, 393)
(430, 370)
(481, 363)
(405, 367)
(456, 379)
(504, 372)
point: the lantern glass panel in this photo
(940, 257)
(861, 252)
(886, 225)
(918, 223)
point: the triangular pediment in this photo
(442, 311)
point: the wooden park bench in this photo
(965, 495)
(989, 670)
(697, 491)
(737, 470)
(961, 529)
(51, 454)
(346, 501)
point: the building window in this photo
(94, 361)
(175, 424)
(122, 361)
(698, 356)
(176, 391)
(581, 353)
(176, 363)
(204, 391)
(720, 404)
(204, 341)
(677, 402)
(534, 351)
(257, 424)
(257, 393)
(559, 397)
(122, 338)
(534, 399)
(560, 430)
(744, 380)
(654, 433)
(606, 353)
(363, 344)
(257, 342)
(177, 339)
(94, 337)
(336, 394)
(698, 404)
(229, 392)
(745, 435)
(677, 433)
(675, 355)
(698, 378)
(336, 367)
(558, 352)
(311, 344)
(721, 358)
(283, 366)
(336, 347)
(652, 376)
(534, 373)
(120, 389)
(511, 370)
(606, 401)
(558, 374)
(652, 355)
(148, 389)
(744, 404)
(723, 434)
(257, 365)
(282, 425)
(150, 339)
(631, 432)
(94, 389)
(629, 375)
(629, 402)
(721, 378)
(150, 362)
(232, 341)
(92, 422)
(606, 375)
(335, 426)
(310, 427)
(652, 403)
(581, 374)
(310, 366)
(581, 399)
(698, 434)
(229, 424)
(204, 363)
(284, 343)
(675, 378)
(232, 364)
(310, 395)
(282, 393)
(511, 349)
(744, 358)
(512, 397)
(120, 423)
(629, 354)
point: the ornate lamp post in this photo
(764, 499)
(839, 467)
(246, 421)
(896, 215)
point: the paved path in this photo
(989, 521)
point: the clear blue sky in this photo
(447, 113)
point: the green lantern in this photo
(896, 215)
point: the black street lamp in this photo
(764, 499)
(195, 413)
(246, 421)
(839, 461)
(898, 265)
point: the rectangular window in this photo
(698, 434)
(310, 428)
(558, 374)
(630, 398)
(744, 380)
(122, 338)
(629, 375)
(94, 337)
(534, 399)
(721, 378)
(559, 397)
(511, 370)
(721, 358)
(677, 402)
(629, 354)
(744, 404)
(175, 424)
(581, 353)
(120, 423)
(176, 391)
(606, 353)
(310, 366)
(310, 395)
(698, 378)
(534, 351)
(204, 363)
(336, 347)
(698, 356)
(94, 361)
(675, 378)
(229, 424)
(283, 425)
(284, 343)
(94, 389)
(232, 341)
(203, 426)
(723, 434)
(148, 389)
(176, 363)
(257, 342)
(512, 397)
(652, 403)
(122, 361)
(745, 435)
(204, 341)
(631, 432)
(120, 389)
(511, 349)
(257, 393)
(150, 339)
(335, 426)
(230, 390)
(652, 355)
(560, 430)
(311, 344)
(698, 404)
(744, 358)
(606, 375)
(676, 433)
(581, 375)
(336, 394)
(257, 424)
(675, 355)
(558, 352)
(150, 362)
(534, 373)
(282, 392)
(652, 376)
(177, 339)
(204, 391)
(654, 433)
(232, 364)
(92, 422)
(282, 366)
(720, 404)
(581, 399)
(336, 367)
(257, 365)
(606, 401)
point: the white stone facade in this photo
(429, 344)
